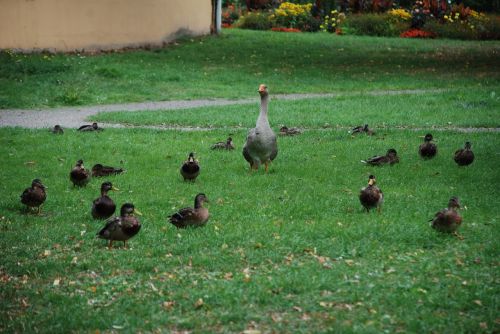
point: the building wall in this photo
(69, 25)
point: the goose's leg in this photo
(110, 246)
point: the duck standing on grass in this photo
(121, 228)
(190, 169)
(464, 156)
(224, 145)
(427, 149)
(371, 196)
(89, 127)
(100, 170)
(286, 131)
(448, 220)
(57, 129)
(362, 129)
(79, 175)
(261, 146)
(391, 157)
(34, 196)
(103, 207)
(197, 216)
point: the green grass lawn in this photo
(290, 251)
(231, 66)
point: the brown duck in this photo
(227, 145)
(391, 157)
(89, 127)
(286, 131)
(371, 196)
(103, 207)
(427, 149)
(448, 220)
(362, 129)
(190, 169)
(197, 216)
(79, 175)
(121, 228)
(99, 170)
(57, 129)
(34, 196)
(464, 156)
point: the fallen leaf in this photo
(168, 305)
(478, 302)
(74, 260)
(349, 262)
(296, 308)
(228, 276)
(305, 317)
(276, 317)
(199, 303)
(56, 282)
(483, 325)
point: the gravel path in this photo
(73, 117)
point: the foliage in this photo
(371, 25)
(399, 14)
(297, 16)
(230, 14)
(333, 22)
(255, 20)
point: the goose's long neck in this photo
(262, 120)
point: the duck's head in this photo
(57, 127)
(428, 137)
(79, 163)
(229, 140)
(467, 145)
(37, 183)
(371, 180)
(284, 128)
(454, 203)
(94, 125)
(107, 186)
(263, 90)
(128, 209)
(392, 152)
(365, 128)
(201, 198)
(191, 157)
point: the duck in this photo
(103, 207)
(448, 220)
(89, 127)
(79, 175)
(197, 216)
(227, 145)
(371, 196)
(57, 129)
(121, 228)
(286, 131)
(100, 170)
(464, 156)
(190, 169)
(427, 149)
(34, 196)
(261, 146)
(362, 129)
(391, 157)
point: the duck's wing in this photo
(111, 226)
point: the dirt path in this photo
(73, 117)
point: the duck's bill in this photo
(137, 212)
(115, 189)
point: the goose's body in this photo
(371, 196)
(89, 127)
(190, 169)
(103, 207)
(448, 220)
(391, 157)
(224, 145)
(464, 156)
(427, 149)
(121, 228)
(197, 216)
(100, 170)
(261, 146)
(57, 129)
(79, 175)
(34, 196)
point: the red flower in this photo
(417, 33)
(281, 29)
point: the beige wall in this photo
(68, 25)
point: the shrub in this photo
(290, 15)
(255, 21)
(372, 25)
(333, 22)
